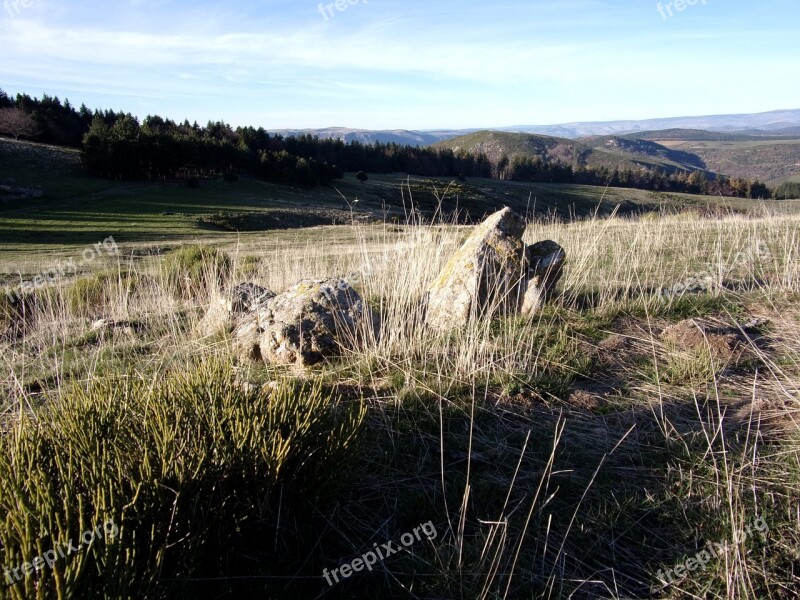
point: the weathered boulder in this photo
(310, 321)
(545, 265)
(484, 277)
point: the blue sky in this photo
(390, 64)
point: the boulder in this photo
(309, 322)
(545, 266)
(484, 277)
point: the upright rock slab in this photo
(485, 277)
(545, 264)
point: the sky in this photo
(405, 64)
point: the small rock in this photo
(111, 325)
(756, 325)
(545, 262)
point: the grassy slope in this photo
(643, 472)
(77, 209)
(645, 469)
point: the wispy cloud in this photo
(388, 60)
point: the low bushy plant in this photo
(195, 270)
(173, 464)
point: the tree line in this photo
(117, 145)
(534, 169)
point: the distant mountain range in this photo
(774, 123)
(367, 136)
(747, 123)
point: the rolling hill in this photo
(605, 151)
(769, 158)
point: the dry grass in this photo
(572, 454)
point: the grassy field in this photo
(639, 423)
(75, 209)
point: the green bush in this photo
(788, 190)
(94, 293)
(16, 310)
(173, 464)
(194, 270)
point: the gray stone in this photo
(103, 326)
(484, 277)
(545, 264)
(311, 321)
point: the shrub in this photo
(194, 270)
(90, 294)
(172, 464)
(787, 190)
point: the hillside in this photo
(699, 135)
(651, 153)
(495, 144)
(773, 161)
(664, 359)
(609, 151)
(641, 402)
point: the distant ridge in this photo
(366, 136)
(776, 123)
(764, 122)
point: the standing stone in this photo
(483, 278)
(545, 262)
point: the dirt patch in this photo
(278, 219)
(695, 335)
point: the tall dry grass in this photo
(730, 439)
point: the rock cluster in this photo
(493, 273)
